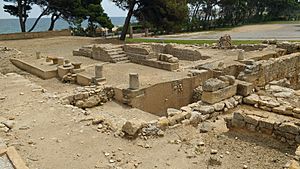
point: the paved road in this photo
(265, 31)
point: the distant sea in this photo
(12, 25)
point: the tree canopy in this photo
(161, 14)
(206, 14)
(70, 10)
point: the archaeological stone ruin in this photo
(255, 87)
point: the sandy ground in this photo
(50, 135)
(248, 32)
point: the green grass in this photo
(198, 42)
(281, 22)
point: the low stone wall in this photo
(251, 47)
(284, 131)
(34, 70)
(32, 35)
(89, 96)
(262, 72)
(137, 49)
(156, 64)
(272, 105)
(184, 52)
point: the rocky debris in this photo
(214, 161)
(288, 132)
(282, 82)
(69, 78)
(9, 123)
(225, 42)
(172, 112)
(89, 96)
(132, 127)
(206, 127)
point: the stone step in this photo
(113, 50)
(118, 56)
(116, 53)
(123, 59)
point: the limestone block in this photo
(219, 95)
(62, 71)
(238, 123)
(252, 99)
(132, 127)
(238, 116)
(219, 106)
(244, 88)
(289, 128)
(253, 120)
(250, 127)
(205, 109)
(213, 84)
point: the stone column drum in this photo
(241, 55)
(99, 71)
(38, 55)
(134, 83)
(60, 61)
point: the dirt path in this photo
(248, 32)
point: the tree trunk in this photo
(54, 18)
(127, 21)
(38, 19)
(21, 14)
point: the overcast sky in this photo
(108, 6)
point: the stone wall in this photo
(285, 131)
(262, 72)
(158, 98)
(156, 64)
(271, 104)
(32, 35)
(184, 52)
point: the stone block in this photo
(62, 71)
(253, 120)
(205, 109)
(244, 88)
(252, 99)
(250, 127)
(290, 128)
(266, 123)
(213, 84)
(219, 95)
(238, 116)
(238, 123)
(219, 106)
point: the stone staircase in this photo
(116, 53)
(103, 52)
